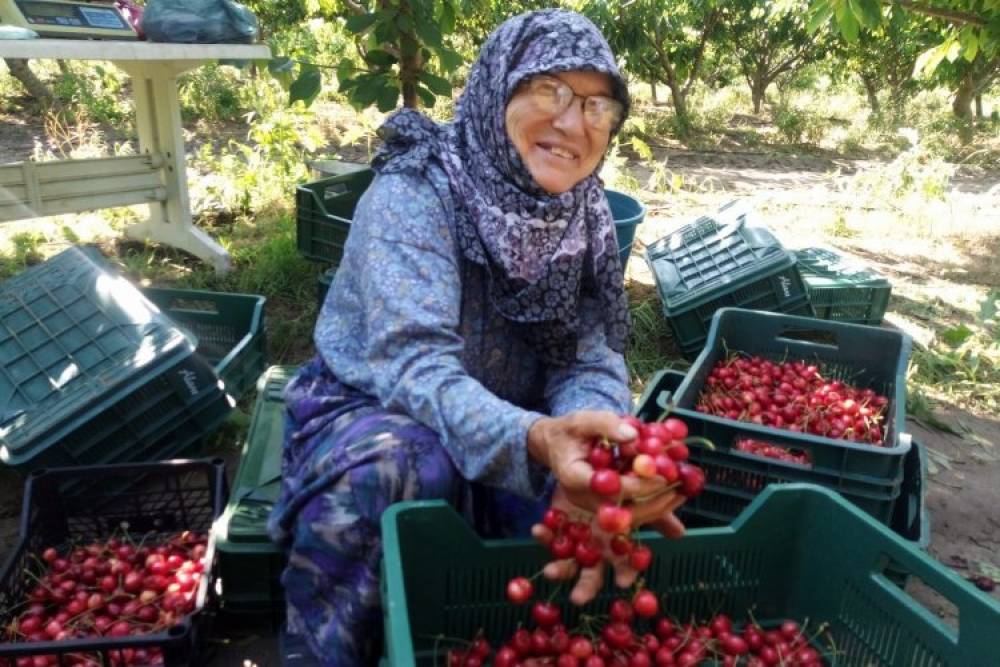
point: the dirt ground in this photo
(933, 273)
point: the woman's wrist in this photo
(538, 448)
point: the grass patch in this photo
(651, 347)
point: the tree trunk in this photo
(652, 91)
(758, 90)
(679, 99)
(979, 106)
(964, 94)
(871, 90)
(19, 70)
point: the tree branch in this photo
(710, 22)
(953, 15)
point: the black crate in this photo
(94, 502)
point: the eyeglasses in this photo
(553, 96)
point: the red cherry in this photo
(621, 611)
(606, 482)
(621, 545)
(640, 558)
(588, 554)
(599, 457)
(545, 614)
(562, 546)
(555, 519)
(645, 604)
(519, 590)
(675, 428)
(614, 519)
(692, 480)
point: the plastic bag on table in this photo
(199, 22)
(133, 14)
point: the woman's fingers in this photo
(669, 525)
(557, 570)
(587, 586)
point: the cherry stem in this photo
(698, 440)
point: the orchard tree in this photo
(402, 50)
(663, 41)
(967, 51)
(770, 40)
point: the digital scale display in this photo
(67, 18)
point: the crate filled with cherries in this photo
(115, 588)
(636, 631)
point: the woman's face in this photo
(559, 149)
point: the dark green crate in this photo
(249, 563)
(868, 357)
(798, 551)
(717, 262)
(735, 478)
(841, 290)
(91, 372)
(323, 213)
(229, 328)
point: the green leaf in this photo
(868, 12)
(380, 58)
(358, 23)
(955, 336)
(849, 27)
(450, 60)
(307, 86)
(990, 570)
(388, 98)
(366, 91)
(819, 14)
(428, 31)
(426, 97)
(970, 44)
(990, 306)
(447, 18)
(437, 84)
(929, 60)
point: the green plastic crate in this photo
(841, 290)
(722, 262)
(869, 357)
(92, 373)
(734, 478)
(229, 328)
(324, 210)
(799, 551)
(249, 563)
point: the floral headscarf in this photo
(541, 251)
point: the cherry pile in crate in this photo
(793, 395)
(113, 588)
(634, 634)
(772, 451)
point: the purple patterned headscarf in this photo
(542, 251)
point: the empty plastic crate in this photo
(91, 372)
(798, 551)
(722, 261)
(229, 328)
(324, 210)
(161, 499)
(249, 563)
(867, 357)
(843, 290)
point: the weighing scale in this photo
(74, 19)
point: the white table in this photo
(158, 178)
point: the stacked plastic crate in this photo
(249, 564)
(324, 210)
(722, 261)
(93, 372)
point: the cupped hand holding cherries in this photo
(614, 474)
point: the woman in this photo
(471, 344)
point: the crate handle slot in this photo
(951, 629)
(180, 305)
(813, 336)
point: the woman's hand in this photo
(562, 444)
(658, 512)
